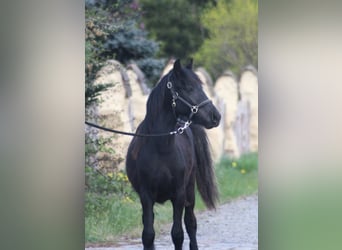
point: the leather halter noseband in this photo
(193, 108)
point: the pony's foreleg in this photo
(148, 219)
(190, 219)
(177, 230)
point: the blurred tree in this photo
(176, 25)
(96, 31)
(113, 32)
(233, 36)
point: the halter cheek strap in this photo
(193, 108)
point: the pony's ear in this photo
(189, 65)
(177, 67)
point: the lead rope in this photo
(130, 134)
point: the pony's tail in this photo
(205, 177)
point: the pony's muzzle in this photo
(215, 118)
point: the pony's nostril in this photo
(216, 117)
(214, 120)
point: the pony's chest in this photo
(168, 181)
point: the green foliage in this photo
(130, 43)
(102, 180)
(101, 184)
(111, 206)
(152, 69)
(233, 37)
(110, 203)
(113, 32)
(112, 182)
(102, 187)
(95, 35)
(95, 145)
(176, 24)
(109, 216)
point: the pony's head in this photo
(189, 101)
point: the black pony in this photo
(166, 167)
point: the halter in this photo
(193, 108)
(184, 124)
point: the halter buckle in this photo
(180, 130)
(194, 109)
(175, 95)
(186, 125)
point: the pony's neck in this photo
(159, 116)
(163, 122)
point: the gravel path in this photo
(233, 226)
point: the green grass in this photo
(111, 217)
(235, 178)
(116, 217)
(239, 180)
(121, 219)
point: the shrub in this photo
(107, 183)
(129, 43)
(152, 69)
(233, 37)
(176, 24)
